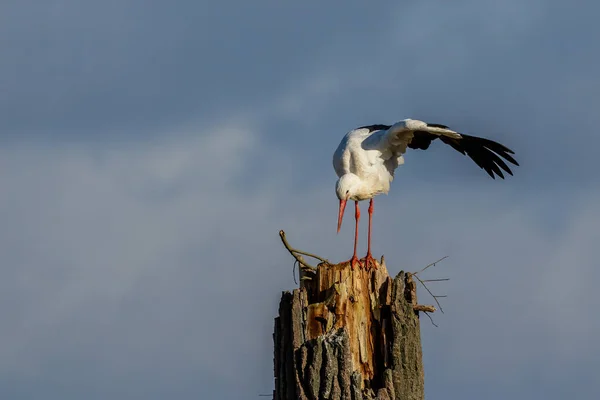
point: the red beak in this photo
(341, 214)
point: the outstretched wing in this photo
(415, 134)
(409, 133)
(486, 153)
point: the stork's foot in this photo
(369, 262)
(354, 262)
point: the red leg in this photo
(354, 260)
(369, 260)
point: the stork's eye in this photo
(347, 191)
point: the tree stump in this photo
(349, 334)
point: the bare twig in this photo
(294, 271)
(431, 265)
(293, 250)
(431, 319)
(422, 281)
(429, 291)
(296, 253)
(424, 308)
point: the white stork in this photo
(367, 157)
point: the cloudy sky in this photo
(151, 150)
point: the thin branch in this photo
(304, 253)
(429, 291)
(293, 250)
(422, 281)
(431, 319)
(424, 308)
(298, 258)
(294, 272)
(431, 265)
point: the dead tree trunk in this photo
(349, 334)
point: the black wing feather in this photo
(484, 152)
(421, 140)
(377, 127)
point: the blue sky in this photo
(152, 150)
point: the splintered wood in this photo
(349, 334)
(353, 296)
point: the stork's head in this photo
(346, 188)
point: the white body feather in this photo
(366, 160)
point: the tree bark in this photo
(349, 334)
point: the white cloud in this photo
(82, 228)
(158, 252)
(142, 259)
